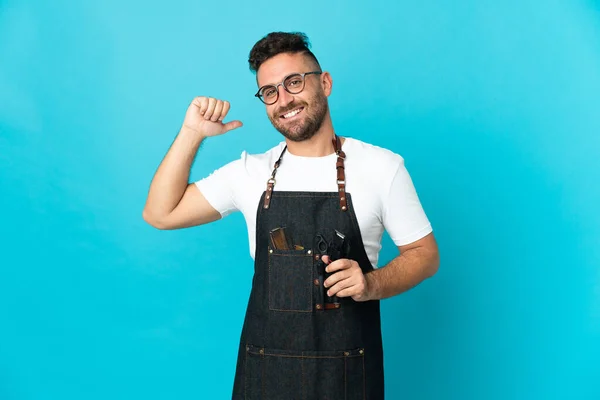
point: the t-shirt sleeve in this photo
(403, 215)
(217, 188)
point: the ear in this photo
(326, 83)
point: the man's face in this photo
(296, 116)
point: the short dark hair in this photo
(279, 42)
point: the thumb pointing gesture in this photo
(232, 125)
(206, 114)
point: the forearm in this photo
(172, 176)
(402, 273)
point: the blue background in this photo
(494, 106)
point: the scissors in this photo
(323, 247)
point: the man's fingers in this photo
(217, 112)
(211, 108)
(224, 111)
(232, 125)
(202, 104)
(339, 286)
(348, 287)
(337, 277)
(337, 265)
(197, 102)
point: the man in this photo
(316, 206)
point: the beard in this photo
(308, 124)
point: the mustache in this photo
(289, 108)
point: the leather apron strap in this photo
(341, 175)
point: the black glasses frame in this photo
(258, 94)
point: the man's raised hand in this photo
(205, 116)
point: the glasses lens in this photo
(294, 83)
(269, 94)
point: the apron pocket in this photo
(304, 375)
(290, 280)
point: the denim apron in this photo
(296, 342)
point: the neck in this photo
(319, 145)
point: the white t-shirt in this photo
(382, 191)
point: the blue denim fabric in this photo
(291, 347)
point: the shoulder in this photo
(371, 157)
(257, 164)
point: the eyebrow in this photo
(273, 84)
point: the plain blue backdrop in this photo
(493, 105)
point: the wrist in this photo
(371, 284)
(191, 133)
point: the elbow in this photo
(434, 264)
(152, 220)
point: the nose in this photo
(285, 97)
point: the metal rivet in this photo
(344, 208)
(361, 351)
(316, 256)
(346, 353)
(316, 282)
(247, 348)
(340, 199)
(271, 251)
(318, 306)
(261, 351)
(336, 305)
(309, 252)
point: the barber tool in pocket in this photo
(282, 240)
(336, 249)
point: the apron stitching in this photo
(269, 280)
(302, 356)
(289, 255)
(269, 283)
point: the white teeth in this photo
(291, 113)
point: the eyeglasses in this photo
(293, 84)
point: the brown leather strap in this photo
(341, 172)
(341, 175)
(271, 181)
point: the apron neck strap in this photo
(341, 172)
(339, 165)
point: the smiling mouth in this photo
(293, 113)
